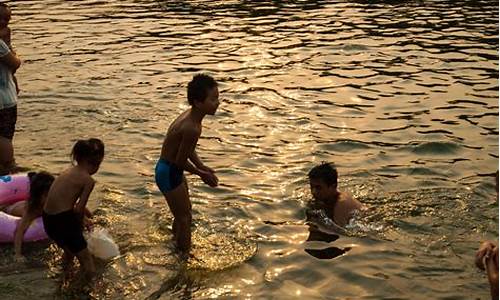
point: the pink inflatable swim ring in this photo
(15, 188)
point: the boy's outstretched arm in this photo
(186, 149)
(195, 159)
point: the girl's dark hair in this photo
(39, 185)
(199, 86)
(327, 172)
(91, 151)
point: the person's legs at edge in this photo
(7, 162)
(8, 119)
(68, 265)
(68, 259)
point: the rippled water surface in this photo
(401, 95)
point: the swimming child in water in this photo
(28, 211)
(64, 210)
(178, 153)
(339, 206)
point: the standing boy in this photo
(178, 153)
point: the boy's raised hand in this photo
(209, 178)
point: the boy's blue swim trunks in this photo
(167, 175)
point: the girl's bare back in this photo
(66, 190)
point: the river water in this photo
(401, 95)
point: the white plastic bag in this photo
(101, 245)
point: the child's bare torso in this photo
(66, 190)
(175, 133)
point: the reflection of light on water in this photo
(219, 292)
(247, 281)
(271, 274)
(256, 112)
(344, 130)
(216, 250)
(321, 216)
(357, 225)
(356, 99)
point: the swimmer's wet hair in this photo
(199, 86)
(91, 150)
(327, 172)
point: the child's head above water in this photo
(323, 181)
(327, 172)
(90, 152)
(39, 187)
(201, 88)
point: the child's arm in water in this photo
(21, 228)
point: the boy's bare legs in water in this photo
(180, 206)
(86, 263)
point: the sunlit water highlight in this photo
(403, 96)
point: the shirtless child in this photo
(178, 154)
(65, 208)
(339, 206)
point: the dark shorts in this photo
(66, 230)
(167, 176)
(8, 119)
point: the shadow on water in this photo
(318, 218)
(325, 253)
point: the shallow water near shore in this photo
(402, 96)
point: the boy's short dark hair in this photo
(327, 172)
(199, 86)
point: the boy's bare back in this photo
(66, 190)
(182, 128)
